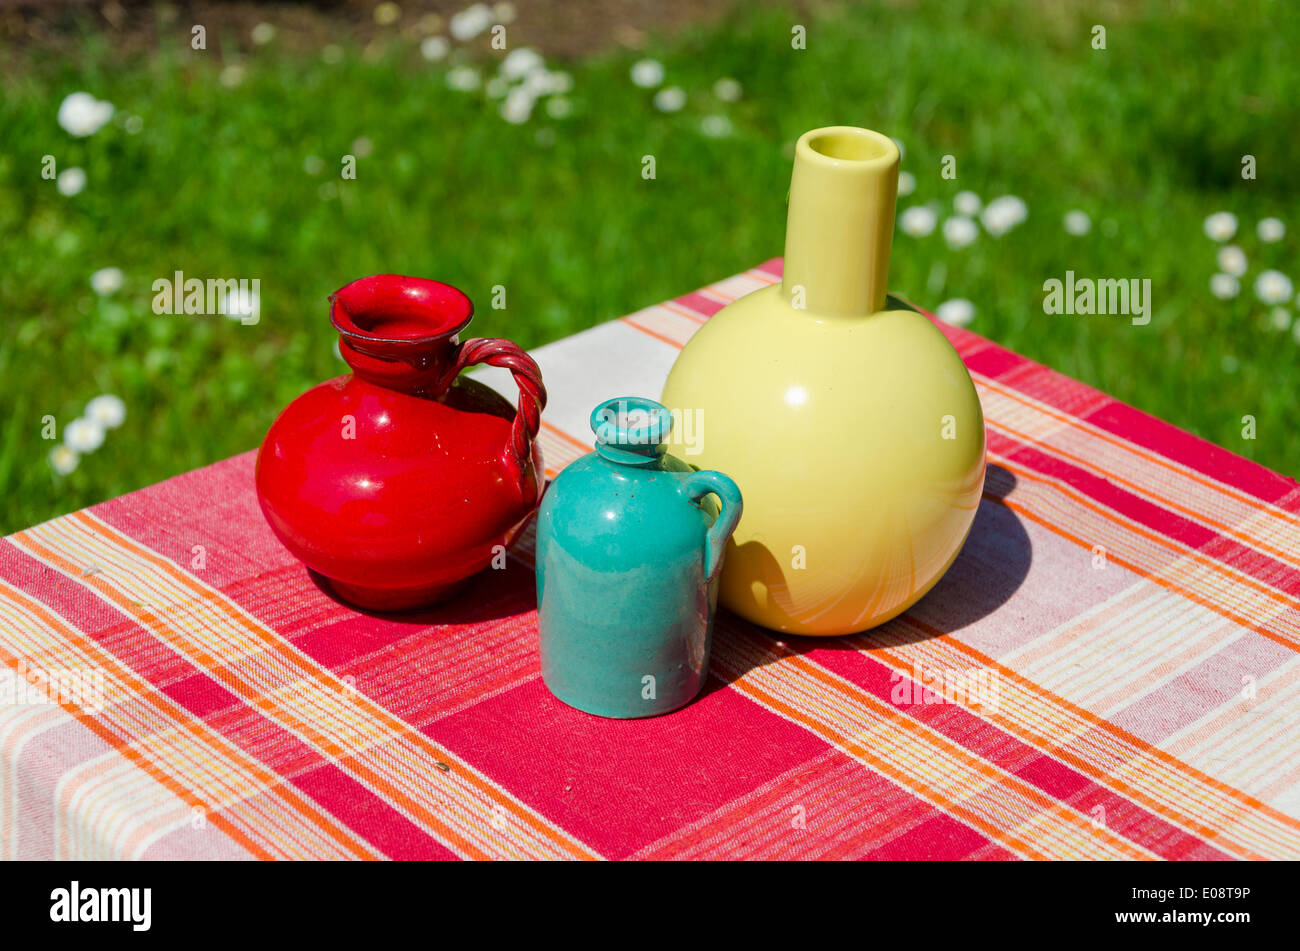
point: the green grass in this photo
(1146, 136)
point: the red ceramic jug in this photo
(398, 482)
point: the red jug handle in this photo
(497, 352)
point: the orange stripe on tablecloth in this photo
(89, 780)
(1140, 451)
(646, 330)
(1152, 575)
(563, 435)
(676, 344)
(120, 744)
(681, 311)
(310, 670)
(557, 449)
(1206, 519)
(940, 748)
(904, 654)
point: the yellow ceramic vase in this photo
(852, 427)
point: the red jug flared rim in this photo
(392, 309)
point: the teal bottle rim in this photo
(638, 444)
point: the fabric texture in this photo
(1107, 671)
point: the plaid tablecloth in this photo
(1126, 607)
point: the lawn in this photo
(227, 165)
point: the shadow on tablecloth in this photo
(990, 568)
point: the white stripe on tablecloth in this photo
(18, 726)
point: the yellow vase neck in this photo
(841, 221)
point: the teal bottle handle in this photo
(708, 482)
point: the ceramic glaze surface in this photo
(852, 428)
(629, 545)
(396, 482)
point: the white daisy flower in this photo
(1270, 230)
(727, 90)
(231, 76)
(504, 12)
(521, 61)
(107, 410)
(435, 48)
(1279, 318)
(647, 73)
(106, 281)
(1273, 287)
(715, 127)
(561, 83)
(463, 78)
(918, 221)
(71, 181)
(387, 13)
(362, 147)
(263, 33)
(81, 114)
(313, 165)
(518, 106)
(1224, 286)
(557, 107)
(967, 203)
(538, 82)
(1220, 226)
(670, 99)
(1077, 222)
(1002, 214)
(906, 183)
(470, 22)
(959, 231)
(83, 435)
(1232, 260)
(63, 459)
(959, 312)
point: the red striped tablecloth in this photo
(1127, 600)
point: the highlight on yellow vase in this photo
(852, 428)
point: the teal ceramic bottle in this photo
(629, 547)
